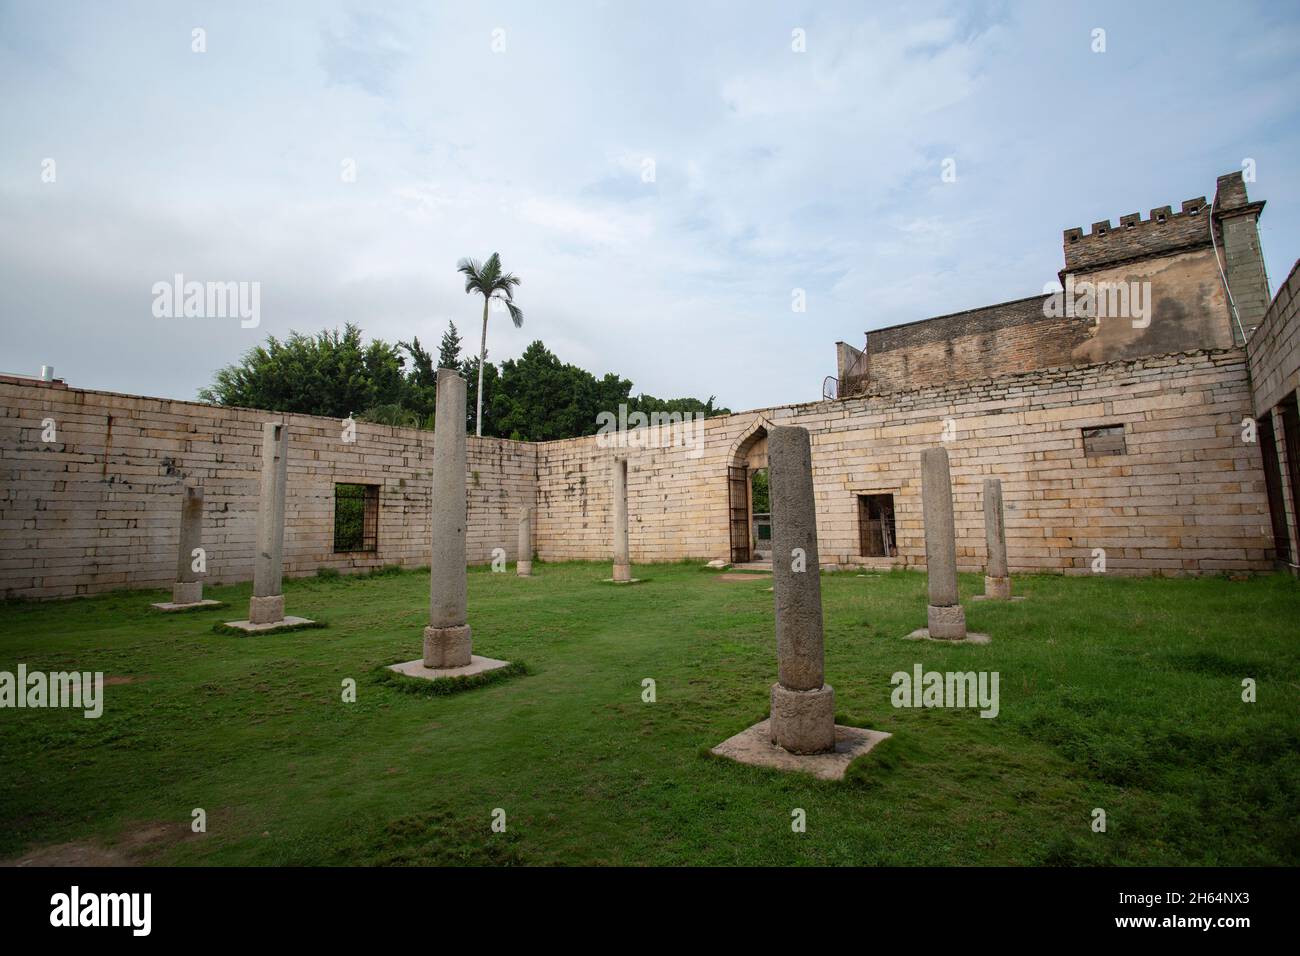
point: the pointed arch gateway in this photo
(751, 444)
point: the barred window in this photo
(356, 518)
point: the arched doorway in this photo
(748, 457)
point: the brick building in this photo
(1157, 426)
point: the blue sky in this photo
(773, 170)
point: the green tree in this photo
(420, 390)
(330, 374)
(449, 348)
(535, 397)
(539, 398)
(489, 281)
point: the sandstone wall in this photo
(1186, 497)
(1182, 291)
(966, 346)
(1188, 309)
(99, 507)
(1274, 347)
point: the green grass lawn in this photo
(1118, 694)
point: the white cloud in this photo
(773, 170)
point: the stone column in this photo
(188, 588)
(525, 560)
(947, 620)
(997, 583)
(267, 604)
(803, 705)
(622, 562)
(447, 638)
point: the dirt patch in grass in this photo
(743, 576)
(135, 846)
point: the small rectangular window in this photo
(876, 526)
(356, 518)
(1103, 440)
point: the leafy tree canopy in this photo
(535, 397)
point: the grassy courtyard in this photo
(1118, 694)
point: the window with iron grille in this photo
(1103, 440)
(356, 517)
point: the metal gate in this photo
(738, 510)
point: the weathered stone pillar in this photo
(947, 620)
(997, 583)
(188, 588)
(803, 705)
(524, 564)
(622, 561)
(267, 603)
(447, 638)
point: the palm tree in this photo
(490, 282)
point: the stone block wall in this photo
(1164, 232)
(1182, 292)
(99, 508)
(1187, 496)
(1274, 348)
(980, 343)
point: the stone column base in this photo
(266, 610)
(447, 646)
(187, 592)
(997, 589)
(524, 569)
(622, 573)
(947, 623)
(803, 721)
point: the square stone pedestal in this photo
(923, 634)
(173, 606)
(187, 592)
(998, 589)
(476, 665)
(754, 746)
(248, 627)
(448, 648)
(266, 610)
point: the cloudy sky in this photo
(532, 129)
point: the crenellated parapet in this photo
(1163, 232)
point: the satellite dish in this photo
(830, 387)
